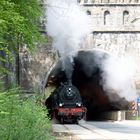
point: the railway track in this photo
(91, 131)
(81, 131)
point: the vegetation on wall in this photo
(19, 26)
(19, 22)
(24, 119)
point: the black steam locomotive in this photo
(67, 104)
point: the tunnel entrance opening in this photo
(87, 77)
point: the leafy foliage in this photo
(19, 22)
(137, 118)
(24, 120)
(19, 25)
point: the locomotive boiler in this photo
(67, 105)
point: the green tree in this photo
(19, 22)
(19, 26)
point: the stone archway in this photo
(87, 78)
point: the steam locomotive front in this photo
(68, 103)
(69, 97)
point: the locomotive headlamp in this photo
(78, 104)
(60, 104)
(69, 89)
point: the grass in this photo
(23, 119)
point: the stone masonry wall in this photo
(109, 1)
(112, 18)
(35, 66)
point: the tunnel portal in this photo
(87, 77)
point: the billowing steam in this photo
(67, 24)
(118, 77)
(116, 74)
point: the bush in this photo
(23, 119)
(138, 118)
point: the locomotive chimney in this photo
(69, 82)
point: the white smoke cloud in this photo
(67, 24)
(118, 77)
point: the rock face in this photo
(116, 29)
(35, 66)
